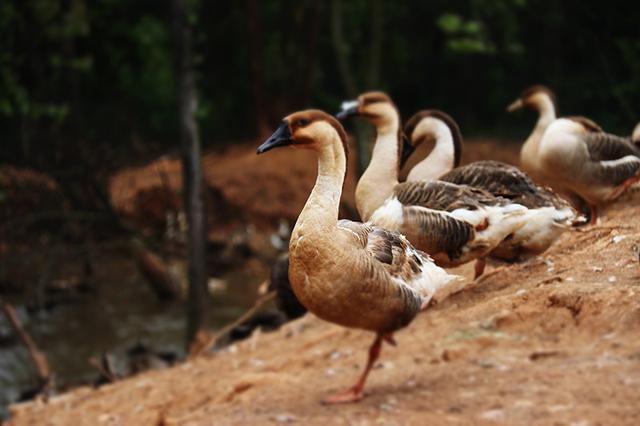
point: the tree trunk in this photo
(256, 66)
(363, 131)
(192, 171)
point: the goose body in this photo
(453, 223)
(597, 166)
(548, 214)
(352, 274)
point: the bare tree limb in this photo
(38, 359)
(210, 341)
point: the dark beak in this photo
(281, 137)
(348, 109)
(407, 149)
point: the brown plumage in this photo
(453, 224)
(353, 274)
(596, 166)
(549, 213)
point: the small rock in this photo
(329, 372)
(521, 292)
(257, 362)
(492, 414)
(616, 239)
(386, 407)
(597, 269)
(284, 418)
(612, 279)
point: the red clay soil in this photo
(553, 341)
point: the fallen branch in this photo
(200, 346)
(38, 359)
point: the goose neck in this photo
(439, 161)
(381, 176)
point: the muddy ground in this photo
(555, 340)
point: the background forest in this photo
(89, 85)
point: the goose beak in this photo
(348, 109)
(407, 149)
(281, 137)
(515, 105)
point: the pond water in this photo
(119, 313)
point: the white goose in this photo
(453, 223)
(549, 214)
(353, 274)
(596, 166)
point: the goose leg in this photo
(593, 214)
(355, 393)
(620, 189)
(479, 267)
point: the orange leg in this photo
(355, 393)
(619, 190)
(479, 267)
(593, 214)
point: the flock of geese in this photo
(379, 274)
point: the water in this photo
(121, 312)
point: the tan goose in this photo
(549, 214)
(349, 273)
(455, 224)
(597, 166)
(543, 100)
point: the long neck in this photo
(320, 213)
(439, 161)
(381, 176)
(529, 151)
(547, 112)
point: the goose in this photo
(597, 166)
(541, 99)
(550, 215)
(353, 274)
(455, 224)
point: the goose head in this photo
(375, 107)
(429, 125)
(538, 98)
(309, 129)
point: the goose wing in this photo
(607, 147)
(387, 249)
(412, 271)
(506, 181)
(498, 178)
(439, 195)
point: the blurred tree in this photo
(192, 168)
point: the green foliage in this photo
(79, 77)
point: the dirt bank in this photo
(555, 340)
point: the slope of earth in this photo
(555, 340)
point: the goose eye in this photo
(301, 122)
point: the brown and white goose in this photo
(543, 100)
(349, 273)
(549, 215)
(597, 166)
(455, 224)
